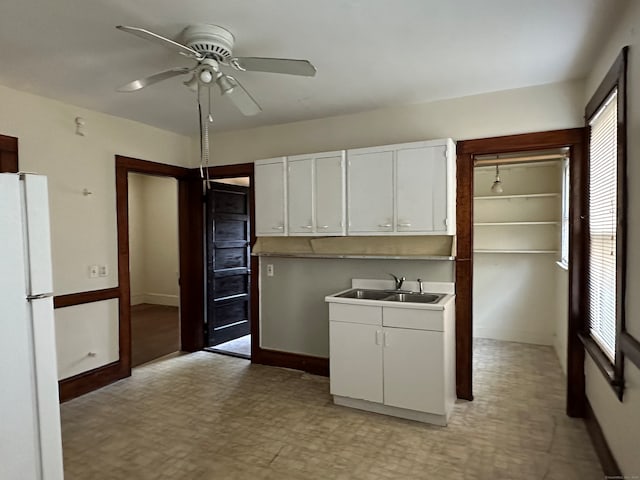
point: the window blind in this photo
(603, 160)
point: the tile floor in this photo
(240, 346)
(206, 416)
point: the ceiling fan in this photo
(211, 47)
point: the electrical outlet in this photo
(270, 270)
(93, 271)
(103, 271)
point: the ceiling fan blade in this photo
(274, 65)
(155, 78)
(159, 39)
(239, 96)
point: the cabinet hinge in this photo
(446, 222)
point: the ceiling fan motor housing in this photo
(210, 41)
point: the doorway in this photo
(153, 267)
(520, 287)
(228, 243)
(467, 152)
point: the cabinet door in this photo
(355, 360)
(421, 189)
(270, 198)
(329, 195)
(413, 370)
(300, 196)
(370, 192)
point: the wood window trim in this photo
(466, 151)
(616, 77)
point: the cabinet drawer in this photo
(414, 319)
(342, 312)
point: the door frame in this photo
(190, 210)
(246, 170)
(574, 139)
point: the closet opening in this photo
(520, 275)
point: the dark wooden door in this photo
(228, 263)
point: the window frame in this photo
(614, 79)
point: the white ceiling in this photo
(369, 53)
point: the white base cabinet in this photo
(405, 370)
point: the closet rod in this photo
(498, 160)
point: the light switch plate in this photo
(270, 270)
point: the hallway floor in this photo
(203, 416)
(155, 332)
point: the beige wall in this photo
(153, 240)
(620, 421)
(83, 227)
(532, 109)
(303, 327)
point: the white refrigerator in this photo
(30, 439)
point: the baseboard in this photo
(156, 299)
(91, 380)
(296, 361)
(607, 460)
(518, 336)
(137, 299)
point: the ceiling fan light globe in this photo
(205, 76)
(226, 84)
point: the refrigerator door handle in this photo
(39, 296)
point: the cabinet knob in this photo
(323, 226)
(91, 354)
(306, 226)
(385, 225)
(278, 228)
(404, 224)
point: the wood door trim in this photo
(8, 144)
(466, 151)
(90, 296)
(8, 154)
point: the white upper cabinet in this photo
(405, 189)
(316, 194)
(271, 195)
(402, 189)
(370, 191)
(421, 189)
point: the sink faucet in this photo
(419, 280)
(399, 281)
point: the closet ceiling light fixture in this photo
(497, 184)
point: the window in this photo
(603, 230)
(564, 233)
(603, 160)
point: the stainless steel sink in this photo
(363, 294)
(391, 296)
(415, 297)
